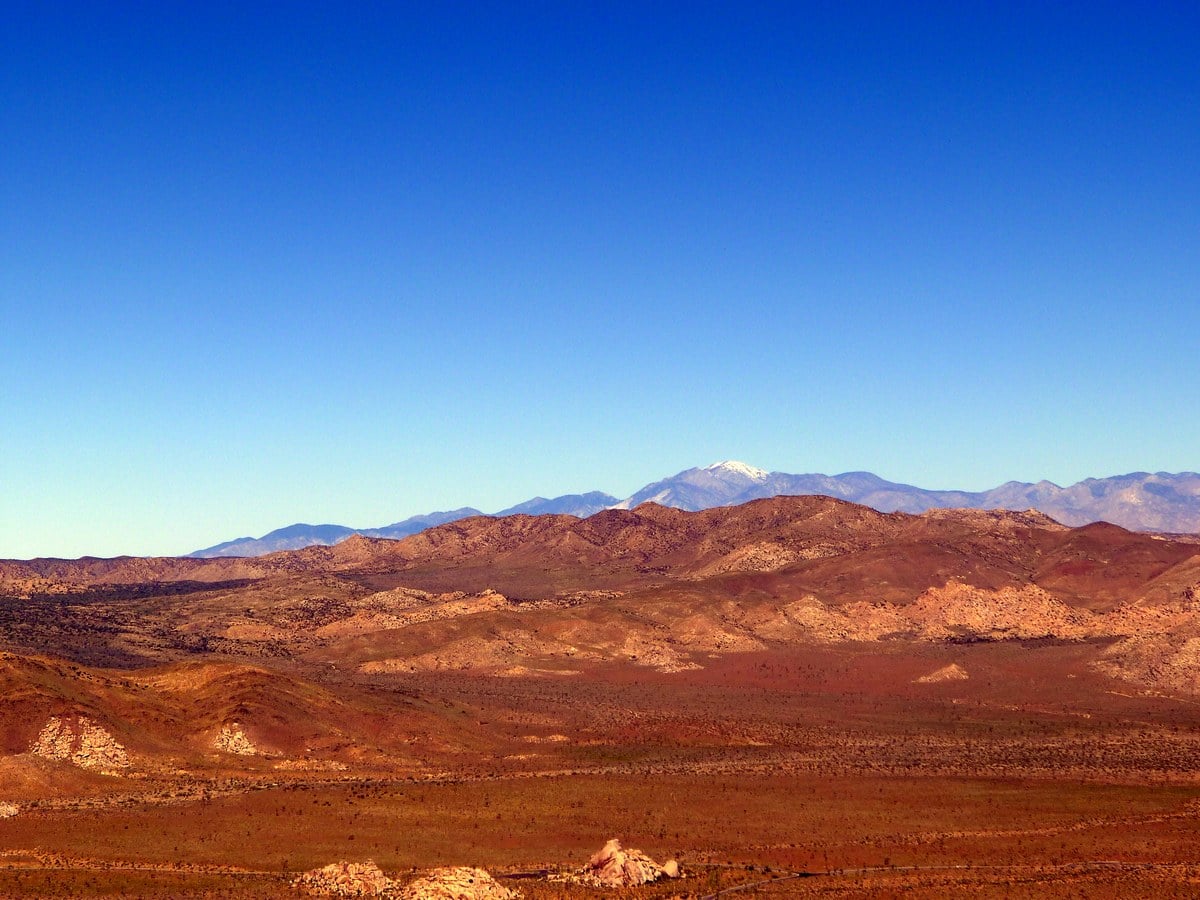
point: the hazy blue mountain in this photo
(298, 536)
(858, 487)
(729, 483)
(293, 537)
(413, 524)
(716, 485)
(1139, 501)
(582, 505)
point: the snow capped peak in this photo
(733, 467)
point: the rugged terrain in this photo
(954, 701)
(1162, 502)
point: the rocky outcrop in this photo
(8, 810)
(456, 883)
(232, 739)
(952, 672)
(1155, 660)
(402, 607)
(504, 649)
(350, 879)
(954, 611)
(963, 610)
(81, 742)
(614, 866)
(347, 879)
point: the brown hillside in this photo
(838, 551)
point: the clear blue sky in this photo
(266, 263)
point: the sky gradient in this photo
(297, 263)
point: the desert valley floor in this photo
(794, 696)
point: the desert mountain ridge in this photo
(1140, 501)
(833, 548)
(654, 586)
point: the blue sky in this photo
(266, 263)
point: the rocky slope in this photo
(202, 714)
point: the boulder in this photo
(347, 879)
(614, 866)
(952, 672)
(456, 883)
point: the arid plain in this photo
(796, 695)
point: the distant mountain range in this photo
(300, 535)
(1140, 501)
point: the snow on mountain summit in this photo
(733, 467)
(702, 487)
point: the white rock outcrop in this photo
(456, 883)
(81, 742)
(347, 879)
(614, 866)
(232, 739)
